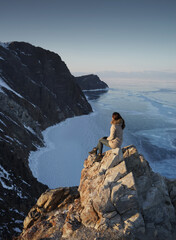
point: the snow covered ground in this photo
(150, 117)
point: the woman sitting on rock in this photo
(115, 138)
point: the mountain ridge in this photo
(37, 90)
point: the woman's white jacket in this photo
(116, 134)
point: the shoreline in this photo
(97, 90)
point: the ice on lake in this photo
(150, 117)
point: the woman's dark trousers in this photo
(101, 142)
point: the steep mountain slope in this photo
(36, 91)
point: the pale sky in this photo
(97, 35)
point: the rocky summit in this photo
(118, 198)
(37, 90)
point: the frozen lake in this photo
(150, 114)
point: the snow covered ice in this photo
(150, 117)
(68, 144)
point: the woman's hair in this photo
(117, 116)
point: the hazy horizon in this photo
(106, 37)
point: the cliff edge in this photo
(37, 90)
(118, 198)
(91, 82)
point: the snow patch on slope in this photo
(5, 45)
(4, 85)
(30, 129)
(6, 179)
(4, 175)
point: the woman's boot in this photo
(99, 157)
(94, 151)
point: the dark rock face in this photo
(90, 82)
(36, 91)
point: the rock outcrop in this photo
(36, 91)
(118, 198)
(91, 82)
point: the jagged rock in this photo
(90, 82)
(120, 198)
(49, 201)
(107, 188)
(172, 191)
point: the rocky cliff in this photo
(118, 198)
(36, 91)
(90, 82)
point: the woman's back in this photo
(116, 134)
